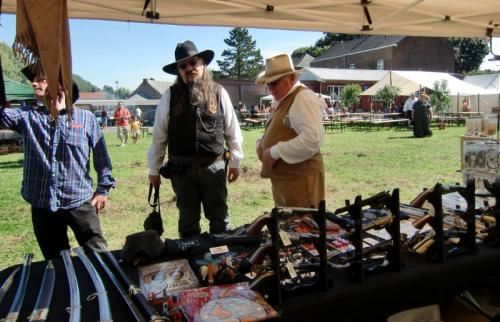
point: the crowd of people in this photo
(196, 131)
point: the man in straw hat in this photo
(422, 116)
(290, 147)
(193, 119)
(56, 178)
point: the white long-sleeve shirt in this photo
(305, 116)
(232, 132)
(409, 104)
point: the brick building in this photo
(390, 52)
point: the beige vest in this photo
(278, 130)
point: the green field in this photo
(357, 162)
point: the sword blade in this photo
(74, 290)
(42, 304)
(21, 290)
(8, 283)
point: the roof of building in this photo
(330, 74)
(151, 89)
(92, 95)
(302, 61)
(359, 45)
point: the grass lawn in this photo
(357, 162)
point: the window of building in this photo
(380, 64)
(335, 91)
(352, 66)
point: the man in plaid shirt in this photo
(56, 179)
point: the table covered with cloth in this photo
(419, 283)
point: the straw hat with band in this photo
(185, 51)
(276, 67)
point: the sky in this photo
(106, 52)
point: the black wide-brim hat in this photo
(184, 51)
(28, 72)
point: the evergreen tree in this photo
(242, 60)
(469, 53)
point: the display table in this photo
(419, 283)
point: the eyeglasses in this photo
(274, 84)
(192, 63)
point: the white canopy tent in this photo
(412, 81)
(480, 99)
(461, 18)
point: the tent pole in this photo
(458, 101)
(478, 103)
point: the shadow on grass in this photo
(11, 164)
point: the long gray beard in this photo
(196, 93)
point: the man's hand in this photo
(259, 150)
(155, 180)
(99, 201)
(267, 160)
(233, 174)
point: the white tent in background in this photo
(480, 99)
(412, 81)
(486, 81)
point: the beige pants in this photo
(299, 190)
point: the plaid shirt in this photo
(57, 156)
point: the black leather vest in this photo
(193, 132)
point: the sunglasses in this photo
(192, 63)
(274, 84)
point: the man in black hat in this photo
(194, 118)
(56, 179)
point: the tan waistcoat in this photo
(278, 130)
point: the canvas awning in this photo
(16, 91)
(412, 81)
(441, 18)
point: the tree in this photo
(387, 94)
(440, 100)
(330, 37)
(350, 95)
(323, 44)
(469, 53)
(242, 60)
(122, 93)
(84, 85)
(11, 65)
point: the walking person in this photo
(122, 115)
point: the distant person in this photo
(104, 117)
(122, 115)
(195, 120)
(329, 109)
(138, 114)
(58, 141)
(422, 116)
(465, 106)
(408, 106)
(290, 147)
(135, 129)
